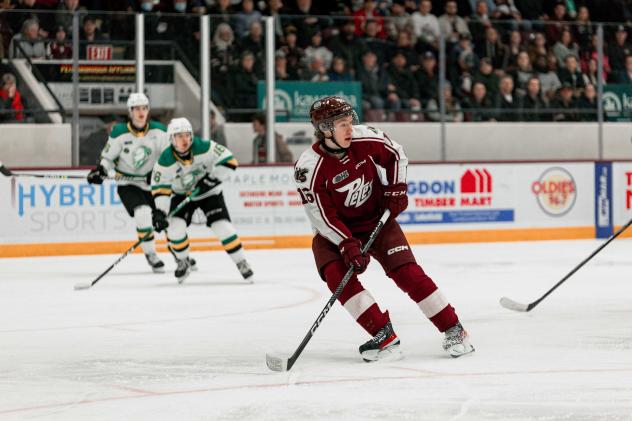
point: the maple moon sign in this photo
(555, 191)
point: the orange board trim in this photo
(301, 241)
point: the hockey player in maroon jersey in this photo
(346, 180)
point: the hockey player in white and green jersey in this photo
(189, 164)
(131, 152)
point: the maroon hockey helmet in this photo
(325, 111)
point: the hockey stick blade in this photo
(510, 304)
(5, 171)
(276, 363)
(513, 305)
(80, 287)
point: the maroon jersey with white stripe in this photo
(342, 196)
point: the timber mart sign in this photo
(555, 191)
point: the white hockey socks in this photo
(178, 239)
(227, 235)
(144, 226)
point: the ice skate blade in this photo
(158, 270)
(183, 278)
(392, 353)
(459, 353)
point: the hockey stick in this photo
(516, 306)
(135, 245)
(284, 364)
(8, 173)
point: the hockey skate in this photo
(456, 341)
(192, 264)
(183, 270)
(245, 270)
(383, 346)
(156, 264)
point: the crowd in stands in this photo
(506, 60)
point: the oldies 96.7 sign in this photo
(555, 191)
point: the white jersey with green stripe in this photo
(133, 154)
(172, 174)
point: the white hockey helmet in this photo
(178, 125)
(137, 99)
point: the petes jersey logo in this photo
(358, 192)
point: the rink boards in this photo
(447, 203)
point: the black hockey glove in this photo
(159, 220)
(97, 175)
(206, 184)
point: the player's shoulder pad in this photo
(157, 126)
(118, 130)
(200, 146)
(305, 167)
(167, 158)
(363, 131)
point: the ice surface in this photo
(138, 346)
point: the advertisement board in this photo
(447, 202)
(293, 99)
(106, 86)
(455, 197)
(622, 193)
(603, 199)
(617, 102)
